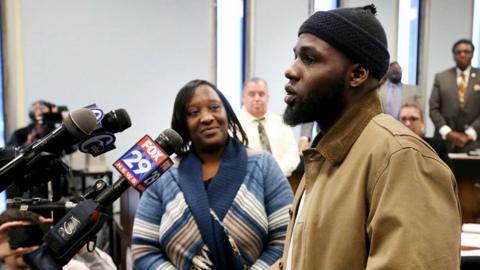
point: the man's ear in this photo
(357, 75)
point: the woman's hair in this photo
(410, 104)
(179, 116)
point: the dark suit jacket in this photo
(445, 107)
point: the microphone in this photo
(143, 164)
(62, 241)
(76, 126)
(102, 139)
(116, 121)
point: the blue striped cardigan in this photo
(165, 233)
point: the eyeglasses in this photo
(411, 119)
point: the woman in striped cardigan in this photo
(223, 205)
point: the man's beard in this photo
(322, 105)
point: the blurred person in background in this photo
(265, 129)
(44, 117)
(394, 93)
(455, 101)
(411, 115)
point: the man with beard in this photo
(374, 195)
(394, 93)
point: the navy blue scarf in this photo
(219, 197)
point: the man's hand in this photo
(458, 139)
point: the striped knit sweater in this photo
(165, 234)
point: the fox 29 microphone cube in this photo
(143, 163)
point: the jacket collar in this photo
(336, 143)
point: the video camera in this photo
(27, 235)
(46, 122)
(31, 235)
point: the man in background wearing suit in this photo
(455, 101)
(394, 93)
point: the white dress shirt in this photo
(281, 138)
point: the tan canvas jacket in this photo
(377, 197)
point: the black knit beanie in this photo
(354, 31)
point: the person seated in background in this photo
(21, 232)
(394, 93)
(411, 115)
(265, 129)
(222, 205)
